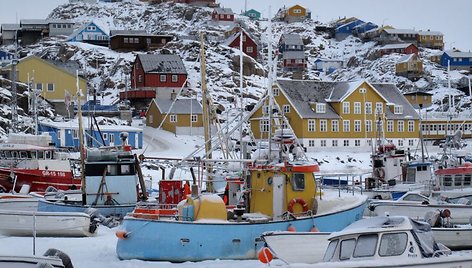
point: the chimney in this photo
(173, 95)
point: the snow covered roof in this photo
(395, 46)
(400, 31)
(405, 58)
(101, 27)
(458, 54)
(10, 27)
(60, 21)
(291, 39)
(393, 95)
(33, 21)
(75, 125)
(162, 63)
(224, 11)
(181, 106)
(293, 55)
(417, 92)
(129, 32)
(343, 90)
(430, 33)
(235, 36)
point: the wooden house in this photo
(346, 29)
(361, 29)
(253, 14)
(155, 75)
(60, 27)
(294, 61)
(291, 42)
(390, 35)
(185, 117)
(431, 39)
(419, 99)
(54, 81)
(250, 46)
(341, 114)
(66, 134)
(9, 33)
(126, 41)
(33, 30)
(409, 66)
(92, 33)
(295, 13)
(457, 60)
(222, 14)
(404, 48)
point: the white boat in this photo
(415, 205)
(453, 236)
(388, 242)
(52, 258)
(64, 224)
(297, 247)
(18, 202)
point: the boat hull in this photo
(112, 210)
(443, 262)
(180, 241)
(64, 224)
(454, 238)
(37, 179)
(25, 203)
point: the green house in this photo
(253, 14)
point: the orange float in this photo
(265, 255)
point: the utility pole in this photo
(14, 102)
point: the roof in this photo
(395, 46)
(162, 63)
(181, 106)
(73, 124)
(406, 58)
(34, 21)
(458, 54)
(10, 27)
(293, 55)
(60, 21)
(224, 11)
(85, 25)
(329, 60)
(400, 31)
(429, 33)
(129, 32)
(235, 36)
(393, 95)
(417, 92)
(291, 39)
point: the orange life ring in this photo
(297, 201)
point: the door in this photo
(278, 196)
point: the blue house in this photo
(364, 27)
(457, 60)
(91, 33)
(346, 29)
(66, 134)
(6, 57)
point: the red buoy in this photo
(314, 229)
(121, 234)
(291, 228)
(265, 255)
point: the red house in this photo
(222, 14)
(294, 60)
(249, 44)
(155, 75)
(406, 48)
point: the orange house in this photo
(296, 13)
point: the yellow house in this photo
(296, 13)
(438, 125)
(409, 66)
(51, 80)
(419, 99)
(341, 114)
(185, 117)
(431, 39)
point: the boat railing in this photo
(439, 252)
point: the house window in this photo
(368, 107)
(378, 108)
(357, 125)
(151, 119)
(275, 91)
(264, 125)
(163, 78)
(75, 134)
(368, 125)
(140, 78)
(411, 126)
(299, 61)
(346, 143)
(346, 126)
(228, 16)
(265, 109)
(357, 143)
(50, 87)
(175, 78)
(400, 142)
(400, 126)
(136, 40)
(222, 16)
(249, 49)
(126, 40)
(346, 108)
(398, 109)
(323, 125)
(311, 143)
(411, 143)
(334, 125)
(39, 86)
(112, 138)
(173, 118)
(390, 126)
(286, 109)
(244, 38)
(105, 136)
(323, 143)
(311, 125)
(321, 108)
(297, 11)
(357, 108)
(334, 143)
(194, 118)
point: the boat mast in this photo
(269, 80)
(81, 142)
(206, 115)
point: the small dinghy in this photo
(52, 258)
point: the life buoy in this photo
(297, 201)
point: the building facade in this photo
(127, 41)
(250, 46)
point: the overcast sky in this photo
(453, 17)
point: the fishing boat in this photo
(32, 160)
(18, 202)
(297, 247)
(389, 242)
(415, 205)
(60, 224)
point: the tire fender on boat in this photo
(297, 201)
(66, 261)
